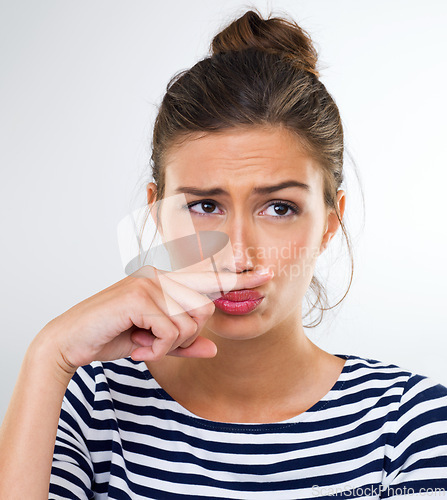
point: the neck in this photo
(280, 369)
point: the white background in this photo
(80, 84)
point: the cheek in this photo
(293, 259)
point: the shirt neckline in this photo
(332, 394)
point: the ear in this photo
(332, 222)
(151, 190)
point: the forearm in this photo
(28, 432)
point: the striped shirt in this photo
(380, 432)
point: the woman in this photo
(159, 386)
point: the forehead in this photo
(243, 155)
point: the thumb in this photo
(200, 348)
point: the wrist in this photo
(43, 352)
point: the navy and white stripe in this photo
(379, 432)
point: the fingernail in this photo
(264, 271)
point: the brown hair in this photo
(260, 72)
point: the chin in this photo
(236, 336)
(236, 327)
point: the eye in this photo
(284, 207)
(208, 207)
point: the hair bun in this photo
(272, 35)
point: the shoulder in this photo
(401, 394)
(411, 390)
(415, 435)
(373, 376)
(422, 415)
(120, 375)
(362, 369)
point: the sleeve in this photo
(417, 462)
(72, 468)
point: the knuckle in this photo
(173, 333)
(142, 289)
(190, 328)
(146, 271)
(158, 356)
(207, 309)
(137, 293)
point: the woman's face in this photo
(262, 190)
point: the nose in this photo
(241, 255)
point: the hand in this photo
(147, 315)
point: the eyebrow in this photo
(257, 190)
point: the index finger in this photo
(209, 282)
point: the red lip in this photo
(241, 295)
(238, 302)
